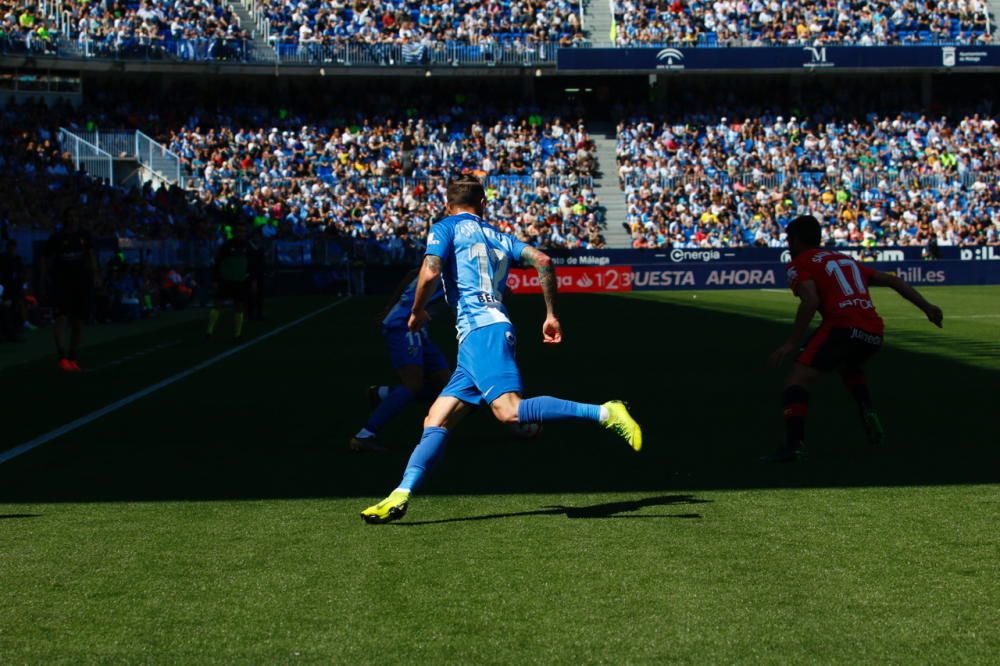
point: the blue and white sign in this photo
(806, 58)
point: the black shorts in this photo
(833, 348)
(237, 291)
(73, 299)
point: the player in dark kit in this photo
(258, 270)
(232, 279)
(11, 292)
(69, 269)
(851, 331)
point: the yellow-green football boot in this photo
(391, 508)
(620, 421)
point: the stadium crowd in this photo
(210, 29)
(39, 183)
(701, 181)
(23, 28)
(477, 22)
(694, 180)
(794, 22)
(191, 29)
(383, 177)
(188, 29)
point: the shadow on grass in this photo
(606, 510)
(273, 421)
(14, 516)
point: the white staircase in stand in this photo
(606, 186)
(597, 22)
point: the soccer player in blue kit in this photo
(417, 361)
(472, 258)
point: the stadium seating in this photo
(517, 32)
(757, 23)
(881, 180)
(38, 184)
(381, 177)
(406, 22)
(690, 181)
(185, 29)
(24, 29)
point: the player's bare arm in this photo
(897, 284)
(430, 275)
(541, 262)
(808, 304)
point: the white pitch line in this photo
(21, 449)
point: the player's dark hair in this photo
(466, 191)
(805, 229)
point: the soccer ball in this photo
(525, 430)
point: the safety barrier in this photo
(244, 185)
(87, 157)
(506, 53)
(772, 180)
(159, 159)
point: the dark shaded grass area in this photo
(273, 421)
(564, 549)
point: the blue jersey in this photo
(475, 258)
(399, 315)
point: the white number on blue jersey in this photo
(490, 277)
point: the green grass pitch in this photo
(216, 521)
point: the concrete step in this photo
(597, 22)
(606, 185)
(247, 23)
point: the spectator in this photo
(814, 23)
(890, 180)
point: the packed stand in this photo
(723, 182)
(794, 22)
(383, 177)
(39, 184)
(186, 29)
(471, 22)
(25, 29)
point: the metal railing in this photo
(259, 15)
(119, 143)
(159, 159)
(87, 157)
(244, 185)
(504, 53)
(135, 145)
(774, 180)
(184, 50)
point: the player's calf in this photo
(795, 408)
(856, 384)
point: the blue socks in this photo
(425, 456)
(398, 398)
(430, 450)
(545, 409)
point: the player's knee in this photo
(800, 376)
(505, 412)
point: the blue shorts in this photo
(407, 348)
(487, 366)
